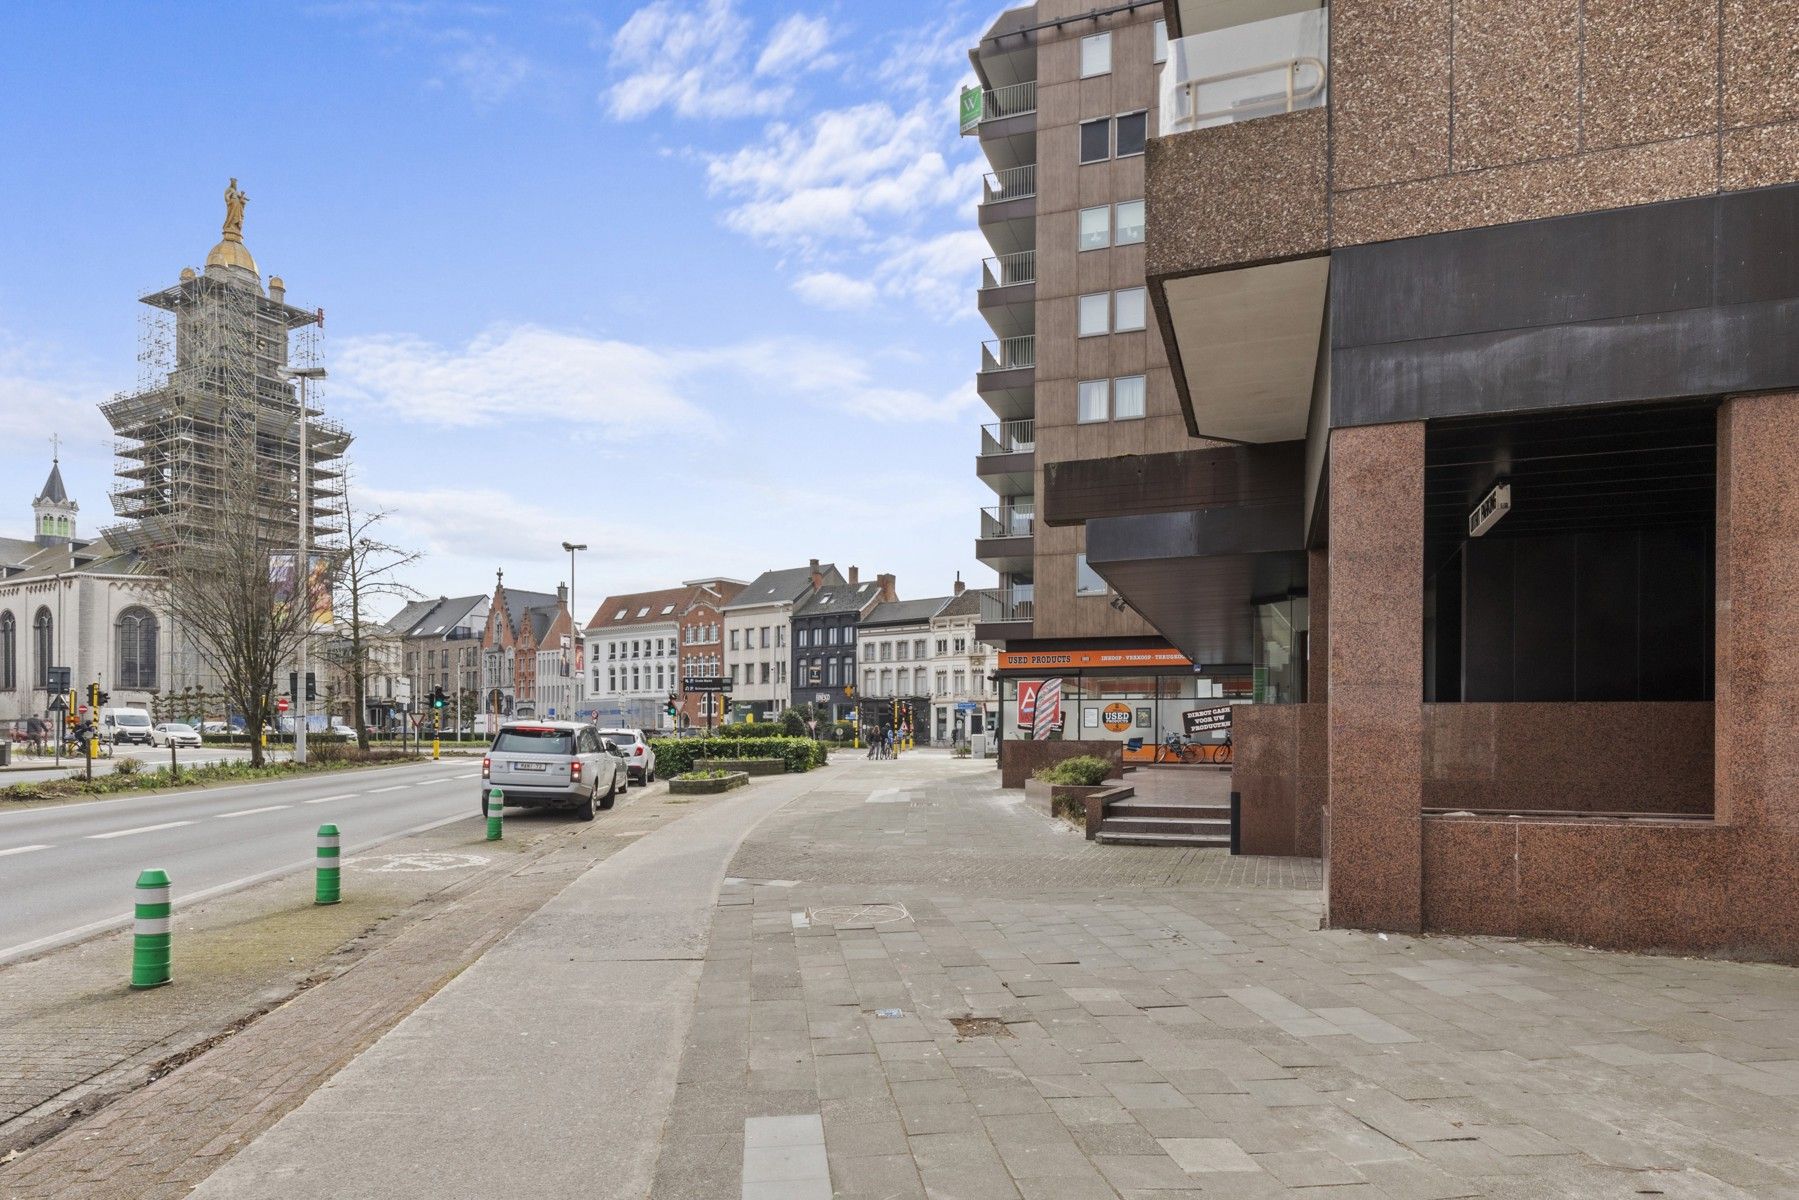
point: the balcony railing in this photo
(1013, 183)
(1015, 521)
(1242, 72)
(1008, 437)
(1008, 269)
(1008, 604)
(1008, 353)
(1010, 101)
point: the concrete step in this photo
(1163, 839)
(1162, 808)
(1166, 825)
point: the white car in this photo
(173, 733)
(640, 756)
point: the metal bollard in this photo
(327, 890)
(496, 805)
(150, 934)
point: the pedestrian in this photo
(873, 743)
(887, 743)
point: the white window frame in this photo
(1086, 387)
(1082, 304)
(1080, 565)
(1142, 295)
(1101, 45)
(1142, 396)
(1118, 223)
(1080, 228)
(1147, 132)
(1160, 54)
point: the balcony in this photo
(1009, 354)
(1009, 521)
(1009, 270)
(1013, 183)
(1243, 72)
(1006, 614)
(1008, 294)
(1245, 144)
(1008, 460)
(998, 107)
(1007, 541)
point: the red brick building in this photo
(703, 643)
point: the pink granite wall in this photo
(1279, 774)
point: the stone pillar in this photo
(1756, 717)
(1318, 590)
(1373, 847)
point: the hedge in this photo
(1086, 771)
(675, 756)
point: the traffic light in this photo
(104, 697)
(293, 683)
(437, 698)
(312, 686)
(671, 704)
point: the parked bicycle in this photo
(1177, 749)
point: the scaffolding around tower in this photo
(212, 412)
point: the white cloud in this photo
(799, 43)
(828, 289)
(696, 61)
(487, 70)
(528, 376)
(938, 272)
(521, 373)
(486, 523)
(836, 176)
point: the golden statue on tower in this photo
(234, 212)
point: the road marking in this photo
(327, 799)
(96, 837)
(398, 787)
(428, 783)
(249, 812)
(22, 850)
(470, 775)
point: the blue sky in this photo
(689, 280)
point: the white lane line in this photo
(249, 812)
(428, 783)
(99, 837)
(328, 799)
(22, 850)
(398, 787)
(470, 775)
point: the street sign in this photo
(705, 683)
(82, 711)
(966, 706)
(59, 703)
(821, 698)
(1200, 720)
(57, 678)
(280, 705)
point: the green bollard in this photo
(327, 890)
(150, 935)
(496, 805)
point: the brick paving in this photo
(162, 1139)
(1172, 1025)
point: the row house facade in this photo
(824, 641)
(520, 624)
(924, 657)
(963, 700)
(758, 629)
(702, 650)
(440, 647)
(635, 651)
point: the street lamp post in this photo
(574, 688)
(303, 560)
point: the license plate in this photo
(530, 766)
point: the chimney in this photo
(855, 575)
(888, 591)
(562, 594)
(960, 586)
(818, 579)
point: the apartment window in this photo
(660, 684)
(1133, 132)
(886, 651)
(942, 682)
(1096, 227)
(1127, 397)
(1096, 140)
(886, 681)
(849, 635)
(902, 650)
(830, 672)
(918, 681)
(1086, 580)
(780, 636)
(1094, 315)
(918, 648)
(942, 646)
(765, 637)
(1093, 400)
(1096, 55)
(636, 680)
(868, 681)
(961, 645)
(1130, 309)
(764, 672)
(1129, 222)
(781, 671)
(833, 635)
(1161, 41)
(804, 636)
(961, 683)
(733, 672)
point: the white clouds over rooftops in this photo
(696, 61)
(529, 375)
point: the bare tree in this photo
(368, 571)
(241, 596)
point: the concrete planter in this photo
(681, 786)
(748, 766)
(1065, 800)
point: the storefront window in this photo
(1281, 633)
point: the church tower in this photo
(53, 511)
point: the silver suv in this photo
(553, 764)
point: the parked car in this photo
(640, 756)
(120, 725)
(215, 727)
(553, 764)
(173, 733)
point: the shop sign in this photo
(1117, 717)
(1040, 706)
(1202, 720)
(1027, 660)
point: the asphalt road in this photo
(67, 870)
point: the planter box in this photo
(748, 766)
(1065, 800)
(679, 786)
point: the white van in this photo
(119, 725)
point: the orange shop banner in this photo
(1037, 660)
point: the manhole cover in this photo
(843, 916)
(417, 862)
(972, 1027)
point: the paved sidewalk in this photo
(976, 1009)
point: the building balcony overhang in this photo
(1007, 555)
(1012, 474)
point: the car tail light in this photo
(486, 765)
(637, 750)
(574, 769)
